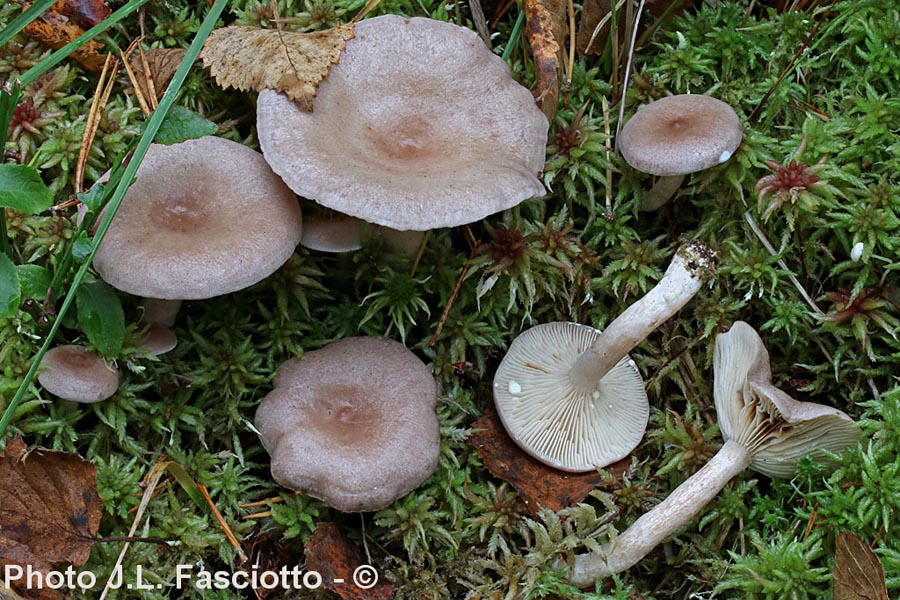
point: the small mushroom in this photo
(158, 317)
(203, 218)
(352, 424)
(678, 135)
(570, 396)
(418, 126)
(75, 373)
(342, 233)
(764, 429)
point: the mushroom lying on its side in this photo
(570, 396)
(764, 429)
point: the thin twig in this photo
(98, 103)
(625, 82)
(570, 65)
(232, 539)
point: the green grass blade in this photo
(140, 150)
(26, 17)
(61, 54)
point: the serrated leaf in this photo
(101, 318)
(21, 189)
(183, 124)
(10, 289)
(285, 61)
(35, 281)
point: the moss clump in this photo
(581, 253)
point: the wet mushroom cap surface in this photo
(418, 126)
(352, 424)
(546, 415)
(203, 218)
(75, 373)
(677, 135)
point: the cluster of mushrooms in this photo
(372, 150)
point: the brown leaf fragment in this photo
(858, 574)
(49, 510)
(285, 61)
(84, 13)
(56, 30)
(591, 15)
(546, 27)
(342, 566)
(539, 485)
(161, 66)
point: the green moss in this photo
(581, 253)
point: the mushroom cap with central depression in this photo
(550, 418)
(352, 424)
(678, 135)
(418, 126)
(203, 218)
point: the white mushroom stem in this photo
(159, 311)
(661, 192)
(689, 269)
(665, 519)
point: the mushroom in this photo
(203, 218)
(764, 429)
(570, 396)
(75, 373)
(352, 424)
(678, 135)
(342, 233)
(158, 317)
(418, 126)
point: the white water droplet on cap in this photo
(514, 387)
(724, 156)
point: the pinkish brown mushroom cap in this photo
(203, 218)
(75, 373)
(353, 423)
(419, 126)
(677, 135)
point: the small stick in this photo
(101, 96)
(225, 528)
(570, 65)
(260, 515)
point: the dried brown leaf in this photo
(84, 13)
(56, 30)
(49, 509)
(337, 560)
(294, 63)
(858, 574)
(546, 27)
(539, 485)
(161, 66)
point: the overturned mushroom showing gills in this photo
(203, 218)
(352, 424)
(419, 126)
(678, 135)
(570, 396)
(764, 429)
(75, 373)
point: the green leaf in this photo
(101, 318)
(35, 281)
(21, 188)
(10, 290)
(82, 247)
(93, 198)
(183, 124)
